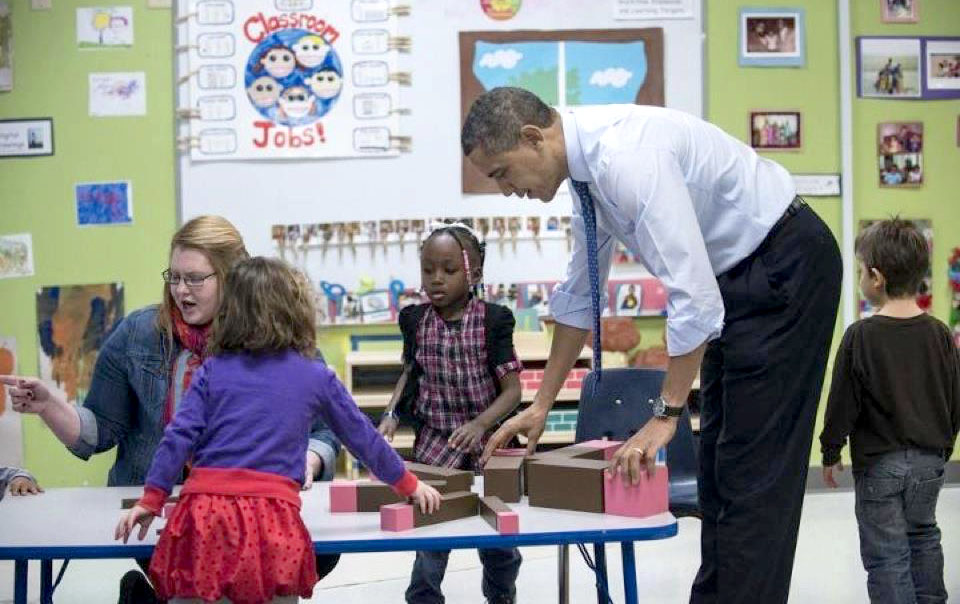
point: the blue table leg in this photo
(600, 558)
(46, 582)
(629, 573)
(20, 582)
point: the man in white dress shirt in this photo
(753, 277)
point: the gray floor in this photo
(827, 568)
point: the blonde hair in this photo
(267, 307)
(217, 239)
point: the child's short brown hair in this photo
(267, 307)
(899, 251)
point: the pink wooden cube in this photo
(396, 517)
(343, 496)
(648, 497)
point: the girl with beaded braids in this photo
(461, 377)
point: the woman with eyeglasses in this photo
(144, 368)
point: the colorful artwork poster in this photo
(925, 295)
(73, 322)
(16, 255)
(310, 80)
(102, 203)
(105, 27)
(598, 67)
(11, 445)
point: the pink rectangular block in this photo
(538, 374)
(343, 496)
(648, 497)
(574, 384)
(512, 452)
(609, 447)
(396, 517)
(508, 523)
(533, 384)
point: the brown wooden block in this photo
(457, 480)
(453, 506)
(567, 484)
(575, 452)
(503, 478)
(529, 459)
(499, 515)
(372, 495)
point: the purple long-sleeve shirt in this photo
(255, 411)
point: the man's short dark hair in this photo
(496, 117)
(899, 251)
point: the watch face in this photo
(658, 406)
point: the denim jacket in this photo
(7, 475)
(128, 392)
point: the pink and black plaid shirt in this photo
(456, 384)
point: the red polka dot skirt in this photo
(244, 548)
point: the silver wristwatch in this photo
(661, 409)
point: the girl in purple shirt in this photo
(243, 427)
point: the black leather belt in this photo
(795, 206)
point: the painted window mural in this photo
(564, 69)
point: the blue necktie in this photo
(590, 226)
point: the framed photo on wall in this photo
(900, 151)
(941, 61)
(26, 137)
(773, 37)
(775, 130)
(888, 67)
(899, 11)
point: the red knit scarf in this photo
(191, 338)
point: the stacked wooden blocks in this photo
(457, 501)
(547, 479)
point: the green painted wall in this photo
(36, 195)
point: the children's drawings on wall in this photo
(16, 255)
(101, 203)
(73, 322)
(11, 450)
(118, 94)
(312, 80)
(105, 27)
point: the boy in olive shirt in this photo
(896, 394)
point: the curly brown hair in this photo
(267, 307)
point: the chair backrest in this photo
(617, 406)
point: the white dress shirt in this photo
(689, 200)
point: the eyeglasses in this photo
(192, 281)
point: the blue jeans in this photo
(896, 504)
(500, 570)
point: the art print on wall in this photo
(73, 322)
(6, 48)
(104, 203)
(900, 11)
(772, 37)
(105, 27)
(900, 151)
(888, 67)
(941, 68)
(16, 255)
(775, 130)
